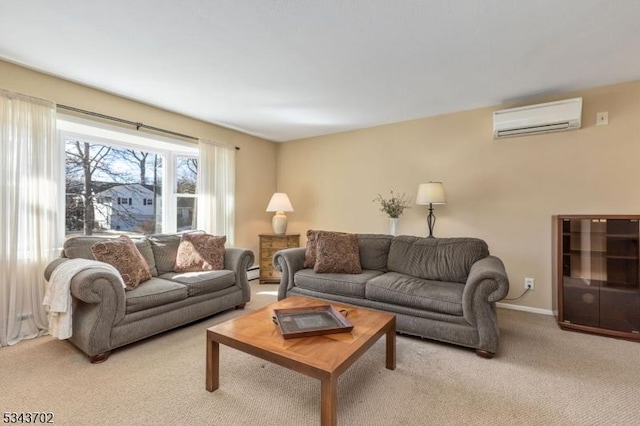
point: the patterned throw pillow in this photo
(312, 238)
(123, 254)
(310, 252)
(338, 253)
(200, 252)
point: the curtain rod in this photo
(137, 125)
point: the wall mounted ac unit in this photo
(541, 118)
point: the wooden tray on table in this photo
(310, 321)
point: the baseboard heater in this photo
(253, 273)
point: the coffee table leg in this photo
(328, 400)
(391, 346)
(213, 365)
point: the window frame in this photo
(177, 195)
(70, 127)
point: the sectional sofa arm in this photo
(487, 282)
(240, 260)
(98, 287)
(53, 265)
(288, 261)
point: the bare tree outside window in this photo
(187, 174)
(186, 188)
(139, 158)
(142, 161)
(83, 162)
(107, 189)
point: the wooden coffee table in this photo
(322, 357)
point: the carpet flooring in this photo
(541, 376)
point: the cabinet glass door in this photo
(620, 296)
(584, 270)
(600, 263)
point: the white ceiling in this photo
(290, 69)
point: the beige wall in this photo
(255, 162)
(504, 191)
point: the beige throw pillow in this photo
(337, 253)
(200, 252)
(123, 254)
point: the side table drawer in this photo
(270, 244)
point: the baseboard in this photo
(253, 273)
(525, 308)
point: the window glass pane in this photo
(186, 175)
(111, 189)
(186, 213)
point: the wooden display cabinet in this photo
(269, 245)
(598, 286)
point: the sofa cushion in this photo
(352, 285)
(155, 292)
(412, 292)
(440, 259)
(165, 251)
(144, 246)
(204, 281)
(374, 251)
(80, 248)
(200, 252)
(337, 253)
(122, 253)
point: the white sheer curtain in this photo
(216, 189)
(31, 229)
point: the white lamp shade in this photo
(279, 203)
(431, 193)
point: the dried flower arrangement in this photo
(394, 206)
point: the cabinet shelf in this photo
(602, 254)
(598, 274)
(574, 282)
(593, 232)
(611, 256)
(583, 251)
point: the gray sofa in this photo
(106, 316)
(439, 288)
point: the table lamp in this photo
(431, 193)
(279, 203)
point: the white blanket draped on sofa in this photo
(58, 295)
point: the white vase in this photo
(393, 225)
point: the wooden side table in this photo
(269, 245)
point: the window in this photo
(185, 192)
(106, 164)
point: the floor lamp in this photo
(431, 193)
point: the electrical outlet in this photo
(529, 283)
